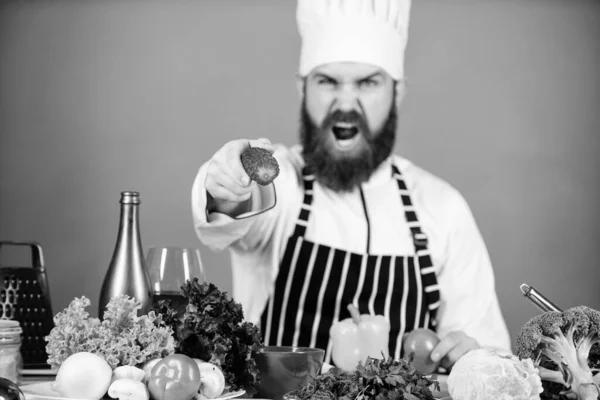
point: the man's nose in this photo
(346, 99)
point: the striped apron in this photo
(315, 283)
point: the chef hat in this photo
(368, 31)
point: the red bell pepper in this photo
(175, 377)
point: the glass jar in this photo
(10, 350)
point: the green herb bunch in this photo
(377, 379)
(213, 329)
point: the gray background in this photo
(105, 96)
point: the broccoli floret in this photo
(565, 348)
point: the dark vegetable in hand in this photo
(565, 348)
(213, 329)
(417, 346)
(377, 379)
(260, 165)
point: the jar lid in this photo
(10, 329)
(9, 323)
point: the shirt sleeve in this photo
(467, 285)
(248, 231)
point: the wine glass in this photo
(169, 267)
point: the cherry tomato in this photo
(420, 342)
(175, 377)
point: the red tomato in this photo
(420, 342)
(175, 377)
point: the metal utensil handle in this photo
(538, 299)
(37, 255)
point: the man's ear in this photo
(300, 83)
(401, 89)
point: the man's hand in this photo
(227, 183)
(452, 347)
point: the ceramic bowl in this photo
(284, 368)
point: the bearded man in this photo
(347, 221)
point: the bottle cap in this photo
(130, 198)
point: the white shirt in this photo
(257, 240)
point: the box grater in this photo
(25, 297)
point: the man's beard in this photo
(343, 172)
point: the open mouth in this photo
(344, 130)
(346, 134)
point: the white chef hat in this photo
(369, 31)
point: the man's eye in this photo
(326, 81)
(369, 83)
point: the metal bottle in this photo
(127, 273)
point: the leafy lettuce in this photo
(121, 338)
(213, 329)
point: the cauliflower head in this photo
(484, 374)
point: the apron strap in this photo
(305, 209)
(421, 243)
(419, 238)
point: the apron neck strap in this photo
(419, 238)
